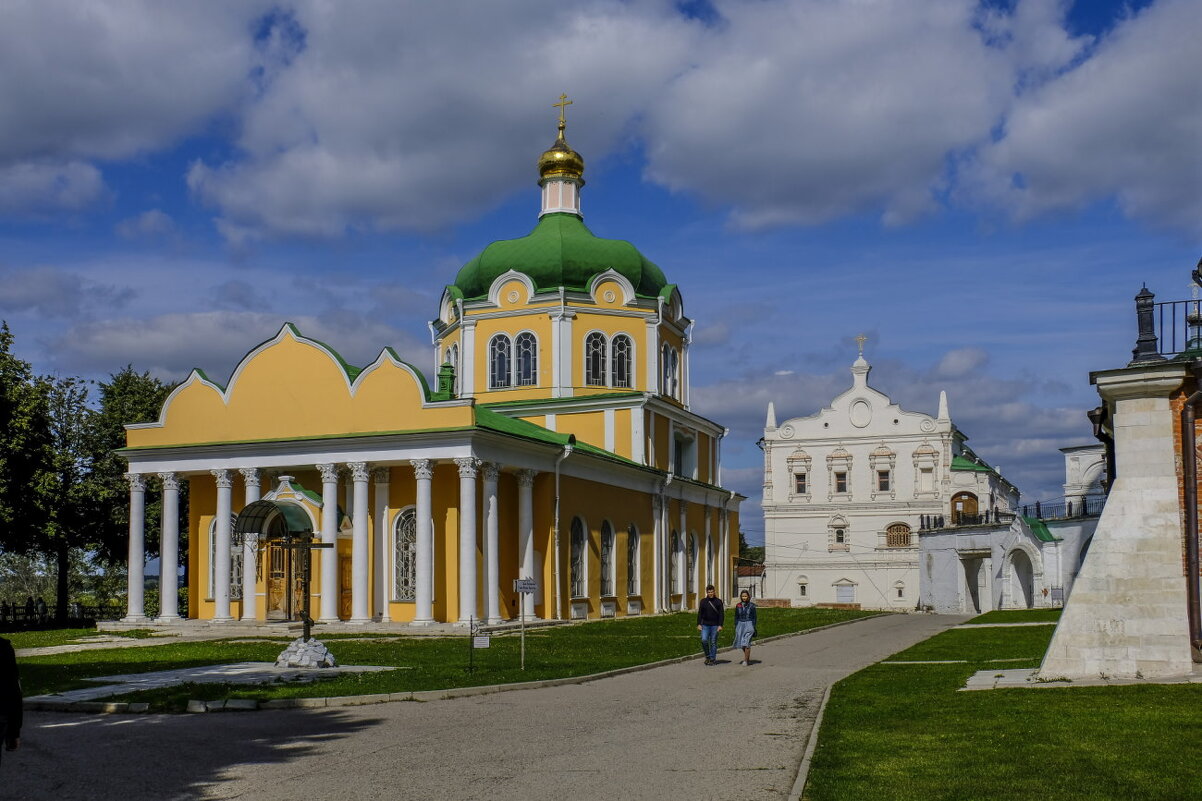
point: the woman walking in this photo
(744, 625)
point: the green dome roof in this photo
(560, 251)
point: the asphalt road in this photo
(683, 731)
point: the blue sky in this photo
(980, 187)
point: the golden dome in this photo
(560, 161)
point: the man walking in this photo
(710, 617)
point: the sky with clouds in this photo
(979, 186)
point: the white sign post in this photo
(523, 587)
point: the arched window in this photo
(594, 359)
(577, 566)
(452, 358)
(405, 556)
(670, 362)
(692, 564)
(500, 357)
(235, 562)
(621, 351)
(897, 536)
(607, 559)
(526, 348)
(632, 560)
(674, 563)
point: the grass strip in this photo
(1017, 616)
(906, 732)
(432, 663)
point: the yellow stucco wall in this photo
(293, 388)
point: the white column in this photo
(467, 538)
(329, 536)
(561, 353)
(250, 547)
(380, 548)
(423, 471)
(526, 536)
(657, 559)
(221, 546)
(467, 357)
(492, 564)
(652, 353)
(135, 611)
(360, 611)
(169, 550)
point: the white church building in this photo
(847, 489)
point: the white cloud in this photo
(170, 345)
(961, 362)
(56, 293)
(1124, 123)
(376, 120)
(37, 188)
(112, 78)
(800, 112)
(149, 224)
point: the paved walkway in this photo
(680, 731)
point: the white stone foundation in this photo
(1126, 617)
(301, 654)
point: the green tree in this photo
(128, 397)
(24, 447)
(750, 553)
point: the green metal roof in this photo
(560, 252)
(1039, 529)
(961, 463)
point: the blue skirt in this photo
(743, 631)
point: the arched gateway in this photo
(283, 532)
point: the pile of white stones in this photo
(301, 654)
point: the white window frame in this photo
(596, 377)
(519, 380)
(235, 562)
(608, 544)
(629, 358)
(409, 513)
(578, 559)
(495, 376)
(633, 560)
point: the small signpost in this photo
(523, 587)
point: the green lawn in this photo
(427, 663)
(43, 639)
(1018, 616)
(904, 732)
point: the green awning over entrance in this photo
(253, 519)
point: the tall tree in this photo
(127, 397)
(24, 448)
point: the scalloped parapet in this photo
(292, 387)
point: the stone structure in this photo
(847, 489)
(557, 444)
(1015, 561)
(302, 653)
(1127, 615)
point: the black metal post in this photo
(1145, 349)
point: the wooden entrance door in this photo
(964, 508)
(283, 569)
(344, 587)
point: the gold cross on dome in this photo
(861, 339)
(561, 105)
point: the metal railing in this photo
(1089, 506)
(1172, 326)
(17, 616)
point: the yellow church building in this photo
(556, 444)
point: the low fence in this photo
(16, 617)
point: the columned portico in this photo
(135, 611)
(250, 545)
(492, 563)
(467, 538)
(360, 609)
(221, 546)
(329, 536)
(526, 535)
(169, 550)
(423, 471)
